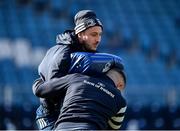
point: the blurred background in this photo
(145, 33)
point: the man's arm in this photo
(92, 63)
(115, 122)
(56, 62)
(51, 88)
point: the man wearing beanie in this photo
(86, 19)
(85, 37)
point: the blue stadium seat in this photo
(149, 76)
(8, 69)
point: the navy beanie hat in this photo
(85, 19)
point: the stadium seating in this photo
(144, 33)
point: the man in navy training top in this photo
(90, 103)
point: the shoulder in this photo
(77, 77)
(59, 49)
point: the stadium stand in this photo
(145, 33)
